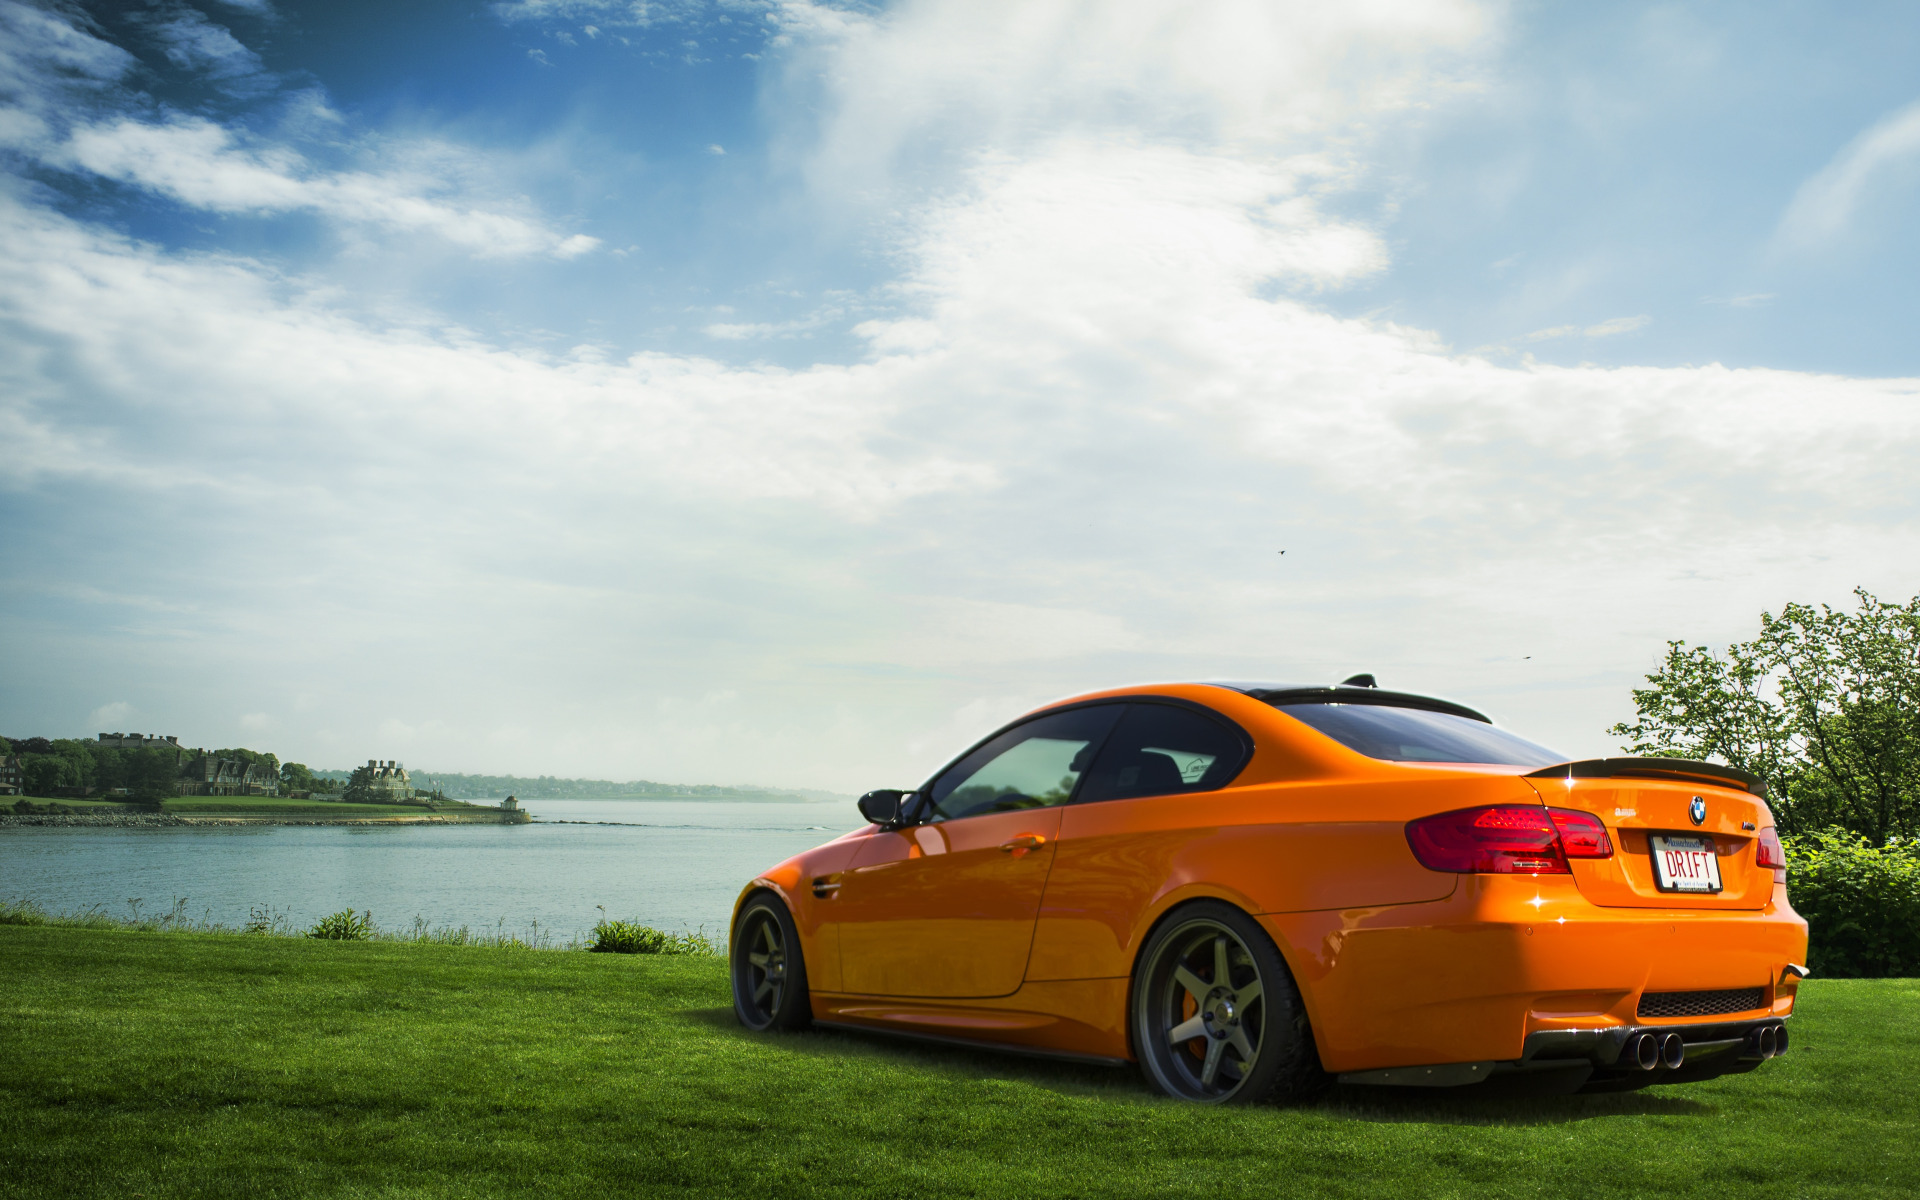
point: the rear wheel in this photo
(769, 975)
(1216, 1016)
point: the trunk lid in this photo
(1639, 800)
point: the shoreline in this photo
(177, 820)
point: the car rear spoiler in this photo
(1654, 768)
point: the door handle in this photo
(1026, 841)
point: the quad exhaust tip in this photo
(1644, 1050)
(1768, 1041)
(1650, 1051)
(1668, 1051)
(1673, 1051)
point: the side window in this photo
(1032, 765)
(1160, 750)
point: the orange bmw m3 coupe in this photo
(1250, 890)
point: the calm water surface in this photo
(670, 863)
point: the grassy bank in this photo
(179, 1064)
(238, 805)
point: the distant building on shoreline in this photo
(135, 741)
(391, 778)
(205, 775)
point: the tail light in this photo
(1508, 839)
(1582, 835)
(1767, 853)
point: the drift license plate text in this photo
(1685, 864)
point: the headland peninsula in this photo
(133, 779)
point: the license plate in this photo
(1685, 864)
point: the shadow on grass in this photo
(1495, 1102)
(1058, 1075)
(1490, 1103)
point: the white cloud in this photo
(259, 722)
(1006, 74)
(56, 76)
(1107, 396)
(617, 13)
(1607, 328)
(40, 53)
(109, 715)
(1824, 207)
(225, 336)
(199, 163)
(194, 43)
(1616, 326)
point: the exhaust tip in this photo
(1673, 1051)
(1644, 1051)
(1779, 1039)
(1768, 1042)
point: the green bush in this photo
(1861, 902)
(631, 937)
(344, 926)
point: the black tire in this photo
(769, 974)
(1247, 1037)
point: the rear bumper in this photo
(1473, 979)
(1710, 1049)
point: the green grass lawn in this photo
(150, 1065)
(111, 804)
(283, 806)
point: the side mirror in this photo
(884, 806)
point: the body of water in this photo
(673, 864)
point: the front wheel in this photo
(769, 974)
(1216, 1016)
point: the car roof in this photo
(1320, 693)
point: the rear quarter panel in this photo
(1273, 847)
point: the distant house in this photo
(205, 775)
(391, 778)
(10, 779)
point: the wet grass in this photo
(203, 1064)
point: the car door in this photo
(1144, 800)
(945, 907)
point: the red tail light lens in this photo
(1502, 839)
(1582, 835)
(1767, 851)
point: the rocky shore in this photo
(90, 819)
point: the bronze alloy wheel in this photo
(1216, 1017)
(769, 975)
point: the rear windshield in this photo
(1416, 735)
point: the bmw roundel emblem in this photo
(1698, 811)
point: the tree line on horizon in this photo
(549, 787)
(81, 766)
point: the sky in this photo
(785, 392)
